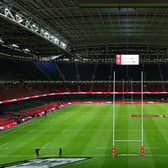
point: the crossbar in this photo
(126, 154)
(127, 140)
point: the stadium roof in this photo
(88, 33)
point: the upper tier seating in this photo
(23, 90)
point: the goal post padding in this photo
(113, 151)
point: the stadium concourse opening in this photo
(85, 82)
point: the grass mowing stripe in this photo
(122, 128)
(82, 137)
(139, 162)
(101, 141)
(102, 131)
(156, 137)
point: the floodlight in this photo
(26, 50)
(15, 45)
(1, 41)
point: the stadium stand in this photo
(19, 90)
(51, 77)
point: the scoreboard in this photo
(124, 59)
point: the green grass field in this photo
(86, 130)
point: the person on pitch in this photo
(60, 152)
(37, 152)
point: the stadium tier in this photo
(11, 91)
(75, 77)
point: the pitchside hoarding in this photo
(123, 59)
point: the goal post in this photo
(142, 118)
(114, 129)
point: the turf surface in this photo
(86, 130)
